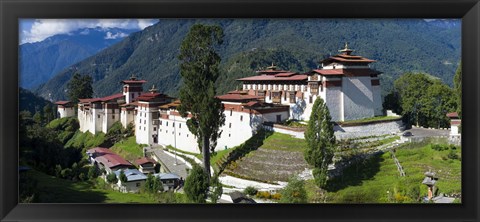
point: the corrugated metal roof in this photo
(132, 174)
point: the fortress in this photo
(347, 84)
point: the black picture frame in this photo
(12, 10)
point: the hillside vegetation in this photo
(398, 45)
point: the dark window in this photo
(229, 135)
(160, 122)
(167, 123)
(144, 128)
(279, 118)
(310, 99)
(231, 111)
(132, 95)
(113, 116)
(144, 121)
(179, 125)
(98, 116)
(230, 125)
(154, 128)
(138, 184)
(173, 124)
(241, 118)
(292, 97)
(128, 112)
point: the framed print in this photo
(239, 110)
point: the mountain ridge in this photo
(398, 45)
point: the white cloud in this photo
(109, 35)
(44, 28)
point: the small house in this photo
(135, 180)
(146, 164)
(170, 180)
(104, 158)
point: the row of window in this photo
(275, 87)
(173, 124)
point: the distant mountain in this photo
(28, 101)
(398, 45)
(39, 61)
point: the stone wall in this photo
(345, 132)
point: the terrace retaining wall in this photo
(345, 132)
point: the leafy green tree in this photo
(153, 184)
(199, 71)
(294, 192)
(457, 83)
(437, 101)
(424, 100)
(92, 172)
(80, 87)
(320, 140)
(112, 178)
(196, 185)
(122, 176)
(48, 113)
(38, 118)
(216, 189)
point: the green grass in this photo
(85, 140)
(284, 142)
(370, 120)
(369, 181)
(54, 190)
(128, 149)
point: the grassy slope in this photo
(54, 190)
(369, 182)
(128, 149)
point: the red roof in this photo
(352, 72)
(149, 96)
(271, 71)
(145, 160)
(100, 151)
(297, 77)
(347, 58)
(253, 104)
(238, 97)
(134, 81)
(285, 74)
(452, 115)
(102, 99)
(238, 92)
(108, 157)
(62, 102)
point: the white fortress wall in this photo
(357, 98)
(334, 101)
(377, 100)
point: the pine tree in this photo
(320, 140)
(80, 87)
(199, 71)
(196, 185)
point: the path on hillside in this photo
(177, 166)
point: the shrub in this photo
(123, 177)
(294, 192)
(82, 177)
(263, 194)
(92, 172)
(453, 155)
(66, 173)
(276, 196)
(58, 171)
(112, 178)
(250, 191)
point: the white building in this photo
(135, 181)
(244, 115)
(346, 83)
(65, 109)
(349, 87)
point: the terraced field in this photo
(279, 158)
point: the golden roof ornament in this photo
(346, 50)
(153, 90)
(272, 67)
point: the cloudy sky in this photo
(34, 30)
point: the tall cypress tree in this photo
(199, 71)
(320, 141)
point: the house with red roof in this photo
(347, 84)
(65, 109)
(146, 164)
(104, 158)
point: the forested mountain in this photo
(398, 45)
(40, 61)
(30, 102)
